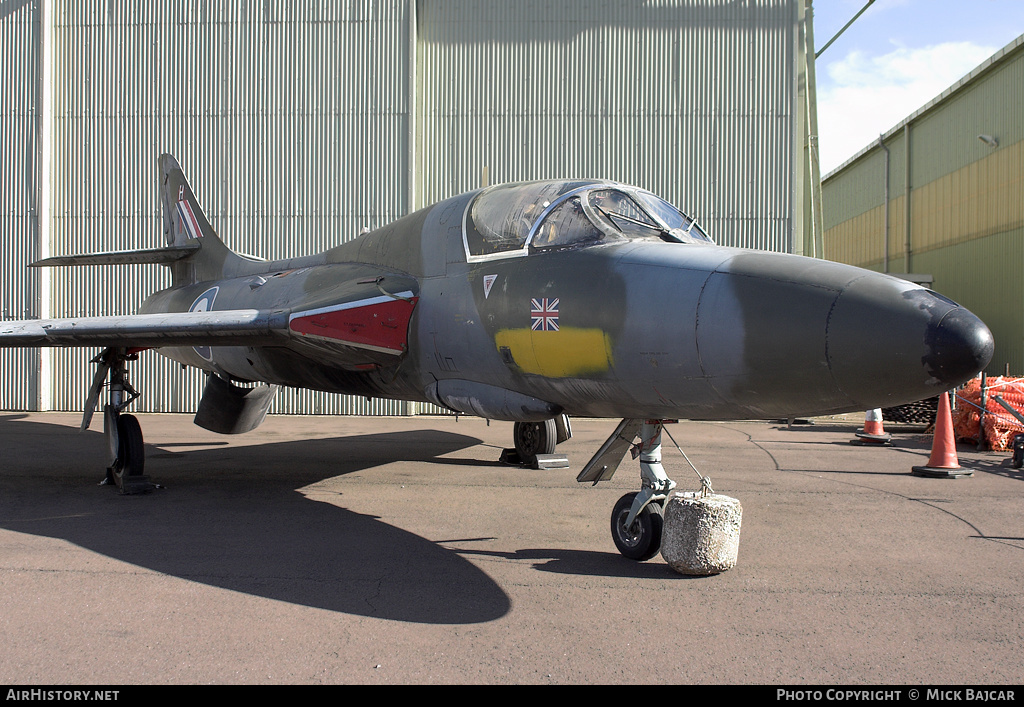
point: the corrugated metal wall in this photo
(694, 100)
(966, 216)
(20, 68)
(288, 153)
(301, 123)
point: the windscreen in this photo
(611, 214)
(510, 220)
(679, 225)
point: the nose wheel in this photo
(640, 540)
(637, 518)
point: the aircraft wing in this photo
(241, 327)
(353, 334)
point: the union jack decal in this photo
(544, 314)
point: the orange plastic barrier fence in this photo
(1000, 425)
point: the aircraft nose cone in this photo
(959, 346)
(891, 343)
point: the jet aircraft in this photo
(526, 302)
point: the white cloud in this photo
(863, 96)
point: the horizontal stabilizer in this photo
(239, 327)
(170, 254)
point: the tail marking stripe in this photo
(188, 220)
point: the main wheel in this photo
(131, 453)
(533, 438)
(642, 540)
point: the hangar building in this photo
(940, 198)
(301, 124)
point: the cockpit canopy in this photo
(516, 219)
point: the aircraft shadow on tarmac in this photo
(247, 529)
(585, 563)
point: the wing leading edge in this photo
(241, 327)
(360, 332)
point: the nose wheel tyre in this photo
(642, 540)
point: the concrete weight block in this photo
(701, 536)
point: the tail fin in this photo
(185, 224)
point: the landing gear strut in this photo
(637, 518)
(127, 456)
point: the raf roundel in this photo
(204, 303)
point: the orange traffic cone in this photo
(943, 463)
(873, 432)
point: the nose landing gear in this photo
(637, 518)
(641, 539)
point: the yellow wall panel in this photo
(978, 200)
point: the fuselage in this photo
(606, 317)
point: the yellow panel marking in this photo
(564, 353)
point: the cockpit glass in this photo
(501, 218)
(507, 220)
(567, 225)
(680, 226)
(623, 214)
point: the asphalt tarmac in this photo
(324, 550)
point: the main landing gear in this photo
(535, 441)
(127, 456)
(533, 438)
(637, 518)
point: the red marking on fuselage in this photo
(378, 325)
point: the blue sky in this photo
(895, 58)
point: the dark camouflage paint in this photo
(691, 331)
